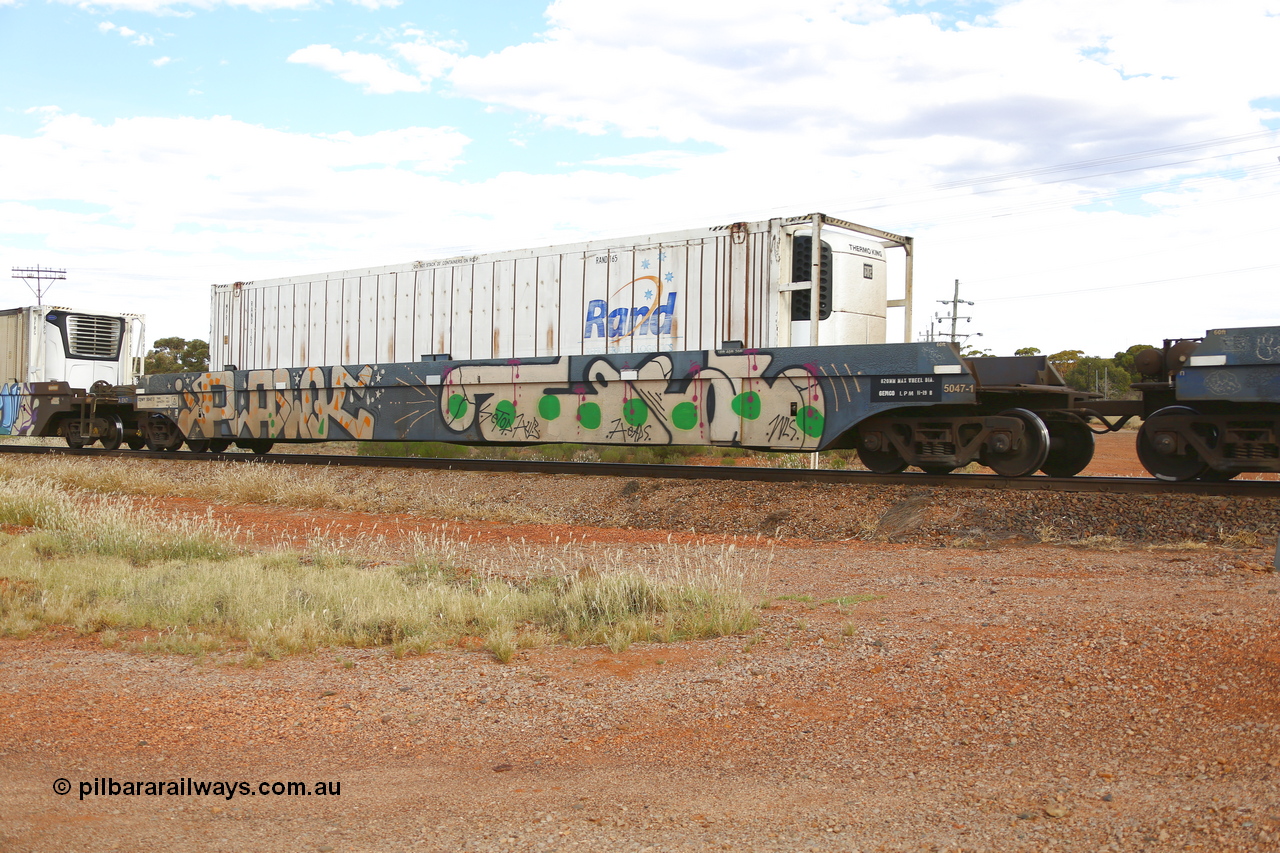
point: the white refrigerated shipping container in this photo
(50, 344)
(746, 282)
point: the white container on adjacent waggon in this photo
(49, 344)
(688, 290)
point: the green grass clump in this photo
(92, 525)
(240, 482)
(94, 566)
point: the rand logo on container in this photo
(651, 319)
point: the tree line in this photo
(177, 355)
(1109, 376)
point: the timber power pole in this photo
(41, 275)
(955, 302)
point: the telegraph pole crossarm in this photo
(41, 275)
(955, 302)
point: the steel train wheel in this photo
(1070, 448)
(1158, 449)
(136, 442)
(1025, 455)
(259, 446)
(198, 445)
(219, 445)
(114, 433)
(882, 461)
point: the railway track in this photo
(1116, 485)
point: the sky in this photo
(1096, 174)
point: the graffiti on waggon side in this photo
(735, 397)
(725, 400)
(17, 413)
(279, 404)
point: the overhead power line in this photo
(1214, 274)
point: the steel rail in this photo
(1114, 485)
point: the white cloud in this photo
(375, 73)
(851, 78)
(853, 102)
(429, 59)
(162, 61)
(183, 202)
(142, 40)
(847, 107)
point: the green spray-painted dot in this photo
(589, 416)
(810, 421)
(549, 407)
(684, 415)
(457, 407)
(635, 411)
(504, 415)
(747, 405)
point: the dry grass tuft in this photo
(104, 570)
(344, 489)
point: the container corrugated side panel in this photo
(366, 347)
(423, 305)
(684, 323)
(332, 326)
(347, 322)
(14, 330)
(242, 354)
(216, 352)
(301, 323)
(758, 281)
(270, 327)
(714, 323)
(622, 295)
(547, 330)
(235, 353)
(504, 309)
(442, 312)
(397, 312)
(261, 328)
(524, 308)
(473, 289)
(572, 305)
(595, 288)
(284, 334)
(316, 322)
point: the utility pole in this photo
(41, 275)
(955, 302)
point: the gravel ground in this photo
(952, 683)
